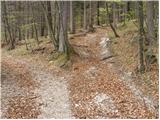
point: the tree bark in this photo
(12, 40)
(98, 15)
(34, 26)
(141, 48)
(85, 17)
(72, 21)
(150, 22)
(91, 29)
(48, 19)
(114, 8)
(110, 21)
(63, 36)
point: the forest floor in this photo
(91, 86)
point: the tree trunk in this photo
(63, 36)
(110, 21)
(42, 26)
(114, 8)
(81, 15)
(156, 17)
(124, 12)
(85, 16)
(19, 23)
(150, 22)
(12, 40)
(91, 29)
(72, 21)
(150, 31)
(141, 49)
(98, 21)
(48, 18)
(35, 28)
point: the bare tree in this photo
(85, 16)
(91, 29)
(11, 38)
(72, 21)
(114, 8)
(34, 25)
(98, 14)
(48, 17)
(150, 22)
(63, 36)
(110, 21)
(141, 27)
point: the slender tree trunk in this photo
(48, 18)
(72, 21)
(63, 36)
(42, 26)
(110, 21)
(19, 23)
(150, 31)
(5, 35)
(57, 23)
(5, 29)
(91, 29)
(136, 10)
(114, 8)
(150, 22)
(85, 16)
(156, 17)
(27, 20)
(19, 35)
(81, 15)
(98, 15)
(141, 49)
(35, 28)
(36, 33)
(12, 40)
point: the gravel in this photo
(52, 92)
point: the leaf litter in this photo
(96, 89)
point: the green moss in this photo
(54, 56)
(18, 51)
(60, 60)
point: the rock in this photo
(100, 97)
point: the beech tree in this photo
(8, 26)
(85, 17)
(48, 18)
(64, 46)
(114, 12)
(141, 33)
(110, 21)
(91, 29)
(72, 18)
(98, 14)
(150, 22)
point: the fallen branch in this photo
(107, 57)
(79, 45)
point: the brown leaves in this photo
(23, 77)
(22, 103)
(85, 82)
(23, 107)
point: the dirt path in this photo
(97, 88)
(45, 96)
(92, 88)
(17, 91)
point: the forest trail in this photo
(91, 89)
(31, 91)
(99, 89)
